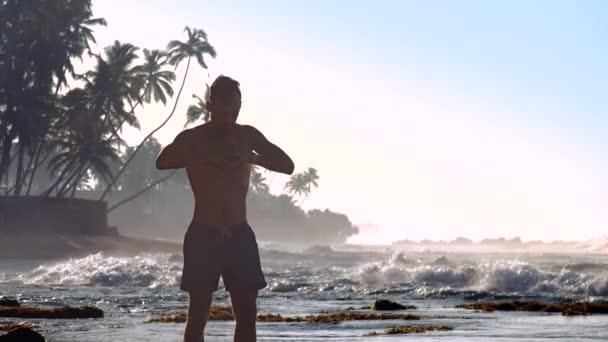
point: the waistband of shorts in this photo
(207, 227)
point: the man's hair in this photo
(223, 89)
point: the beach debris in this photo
(416, 329)
(10, 326)
(22, 335)
(66, 312)
(387, 305)
(216, 313)
(566, 308)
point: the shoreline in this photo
(29, 245)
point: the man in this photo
(218, 156)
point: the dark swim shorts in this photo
(210, 252)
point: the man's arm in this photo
(269, 155)
(177, 154)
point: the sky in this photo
(430, 119)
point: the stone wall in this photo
(68, 216)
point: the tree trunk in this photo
(126, 164)
(71, 180)
(35, 168)
(5, 161)
(19, 177)
(128, 199)
(77, 182)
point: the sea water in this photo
(132, 289)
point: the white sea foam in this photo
(149, 270)
(504, 276)
(397, 273)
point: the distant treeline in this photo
(165, 210)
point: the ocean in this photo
(319, 280)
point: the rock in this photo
(8, 302)
(387, 305)
(65, 312)
(22, 335)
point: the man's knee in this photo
(198, 308)
(244, 306)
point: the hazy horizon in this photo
(430, 119)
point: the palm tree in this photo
(197, 110)
(111, 85)
(37, 43)
(79, 153)
(154, 83)
(297, 185)
(312, 176)
(197, 47)
(257, 182)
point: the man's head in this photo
(224, 99)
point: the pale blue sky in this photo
(433, 119)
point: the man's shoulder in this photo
(248, 129)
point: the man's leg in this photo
(198, 313)
(245, 312)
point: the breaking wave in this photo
(496, 276)
(417, 275)
(149, 270)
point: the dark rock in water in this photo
(22, 335)
(387, 305)
(66, 312)
(441, 261)
(8, 302)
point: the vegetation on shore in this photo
(565, 308)
(416, 329)
(224, 313)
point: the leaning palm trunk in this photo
(141, 144)
(128, 199)
(37, 163)
(61, 177)
(70, 181)
(19, 177)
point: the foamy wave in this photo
(497, 276)
(148, 270)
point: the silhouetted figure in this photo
(218, 156)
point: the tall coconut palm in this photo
(111, 85)
(154, 81)
(196, 47)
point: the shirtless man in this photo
(218, 156)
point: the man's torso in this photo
(220, 190)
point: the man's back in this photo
(220, 189)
